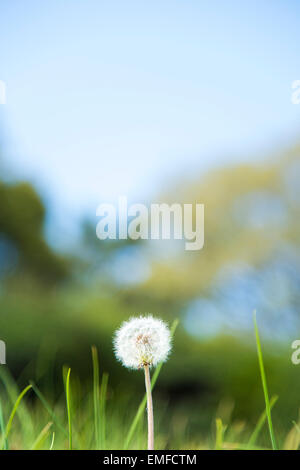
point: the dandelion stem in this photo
(149, 408)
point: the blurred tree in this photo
(251, 211)
(22, 217)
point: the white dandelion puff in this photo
(142, 341)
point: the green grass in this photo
(12, 415)
(260, 424)
(99, 398)
(2, 428)
(101, 421)
(38, 443)
(103, 392)
(220, 431)
(96, 395)
(48, 408)
(69, 408)
(264, 384)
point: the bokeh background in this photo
(160, 101)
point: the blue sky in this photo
(120, 97)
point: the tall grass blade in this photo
(14, 410)
(69, 410)
(103, 393)
(96, 396)
(142, 406)
(264, 383)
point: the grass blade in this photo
(260, 423)
(296, 426)
(96, 396)
(2, 428)
(52, 441)
(41, 437)
(142, 406)
(103, 394)
(13, 392)
(220, 429)
(68, 400)
(264, 384)
(10, 420)
(48, 408)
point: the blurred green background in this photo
(55, 306)
(163, 116)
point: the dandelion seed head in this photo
(142, 340)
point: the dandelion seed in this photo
(143, 342)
